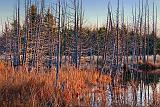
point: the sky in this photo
(94, 9)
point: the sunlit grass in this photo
(21, 88)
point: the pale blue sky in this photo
(93, 9)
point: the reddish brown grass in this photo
(20, 88)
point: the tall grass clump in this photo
(31, 89)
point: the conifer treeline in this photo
(55, 35)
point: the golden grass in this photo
(23, 89)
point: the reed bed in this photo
(31, 89)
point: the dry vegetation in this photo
(20, 88)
